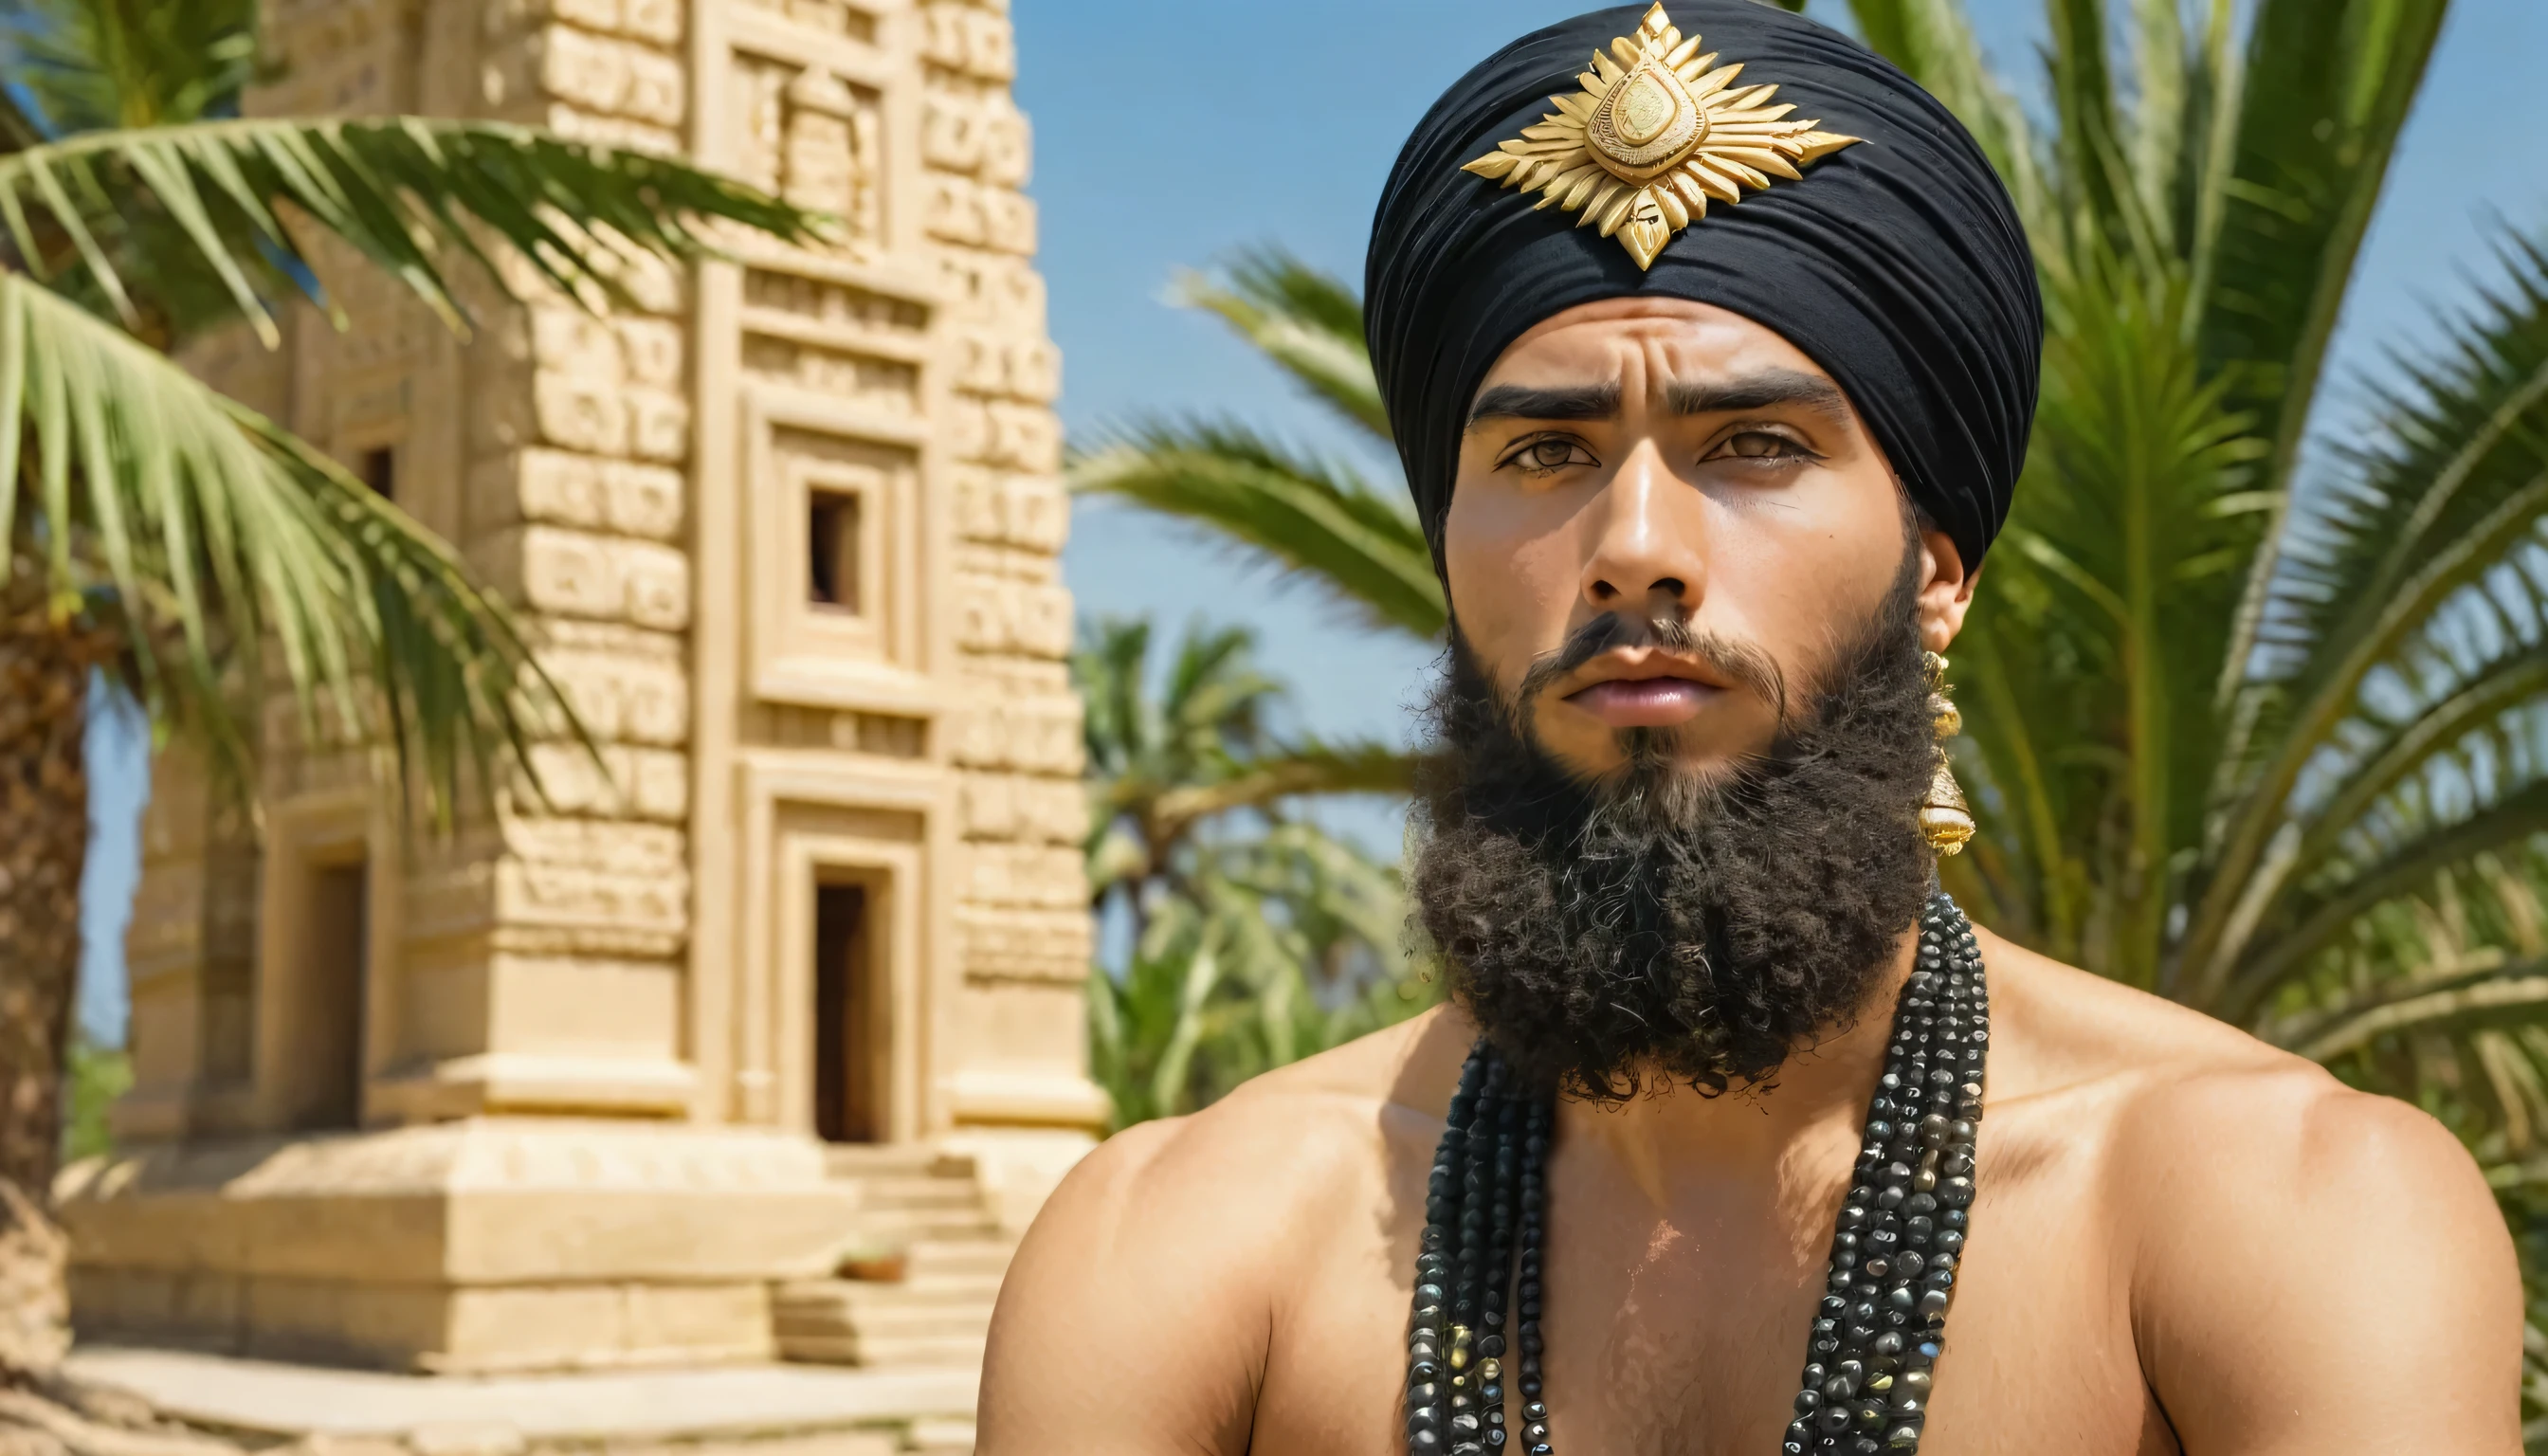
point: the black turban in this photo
(1898, 264)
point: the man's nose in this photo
(1645, 556)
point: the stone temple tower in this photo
(795, 985)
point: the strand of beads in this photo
(1879, 1333)
(1426, 1378)
(1482, 1219)
(1465, 1430)
(1537, 1122)
(1488, 1377)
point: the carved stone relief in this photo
(814, 139)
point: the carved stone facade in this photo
(552, 1092)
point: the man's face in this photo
(1694, 477)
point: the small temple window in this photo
(832, 532)
(380, 472)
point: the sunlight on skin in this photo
(2189, 1231)
(1659, 458)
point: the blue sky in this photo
(1170, 134)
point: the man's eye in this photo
(1550, 454)
(1755, 444)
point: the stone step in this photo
(946, 1258)
(874, 1323)
(756, 1409)
(896, 1190)
(921, 1259)
(895, 1160)
(884, 1351)
(897, 1229)
(856, 1293)
(944, 1436)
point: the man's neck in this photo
(1671, 1132)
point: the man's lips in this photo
(1647, 688)
(1645, 702)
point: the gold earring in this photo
(1945, 821)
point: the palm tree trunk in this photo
(44, 839)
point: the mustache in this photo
(1741, 663)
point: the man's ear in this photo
(1946, 590)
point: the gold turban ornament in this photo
(1656, 131)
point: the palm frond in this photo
(1933, 41)
(2446, 1006)
(1107, 667)
(1307, 322)
(2452, 439)
(2162, 109)
(1257, 938)
(2023, 871)
(1278, 945)
(2110, 596)
(1202, 746)
(208, 530)
(402, 192)
(2425, 737)
(1214, 698)
(1310, 520)
(2313, 915)
(1311, 768)
(2434, 525)
(2328, 87)
(2089, 138)
(91, 65)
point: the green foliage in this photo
(99, 65)
(2234, 742)
(2521, 1189)
(98, 1075)
(1257, 939)
(1162, 767)
(132, 218)
(1307, 323)
(197, 210)
(1317, 519)
(207, 532)
(1283, 945)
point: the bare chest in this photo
(1682, 1329)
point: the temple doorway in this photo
(335, 963)
(848, 1020)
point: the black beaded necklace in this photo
(1878, 1335)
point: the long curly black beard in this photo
(1652, 926)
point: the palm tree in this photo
(187, 546)
(1164, 767)
(1257, 939)
(1283, 945)
(2246, 737)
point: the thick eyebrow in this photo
(1520, 401)
(1765, 389)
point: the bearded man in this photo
(1730, 1111)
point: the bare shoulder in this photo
(1283, 1143)
(1137, 1313)
(2267, 1214)
(2201, 1103)
(2065, 1027)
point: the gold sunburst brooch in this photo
(1656, 131)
